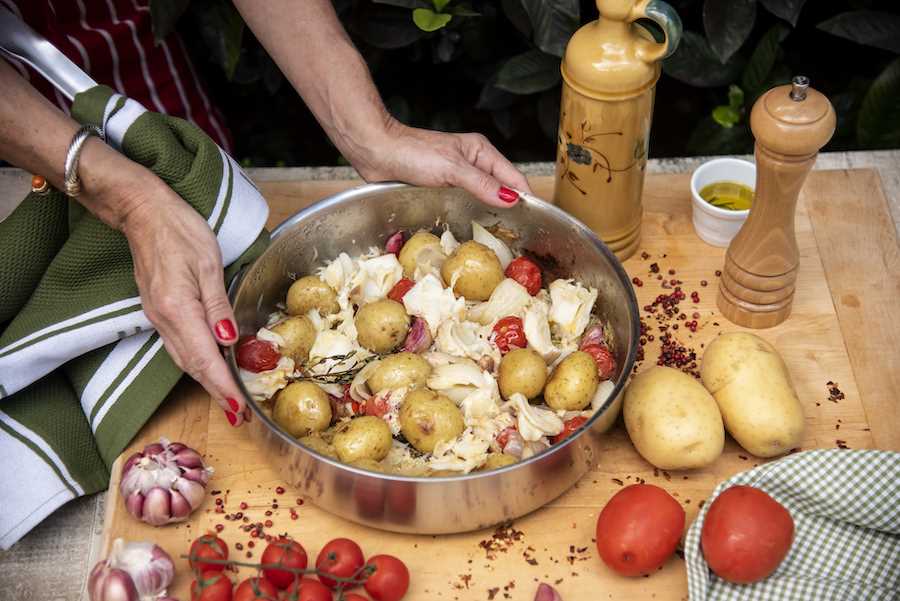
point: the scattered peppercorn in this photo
(637, 281)
(280, 490)
(654, 267)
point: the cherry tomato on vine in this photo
(255, 589)
(569, 428)
(400, 289)
(208, 546)
(341, 558)
(308, 590)
(388, 578)
(509, 333)
(287, 553)
(211, 586)
(354, 597)
(257, 355)
(526, 272)
(606, 363)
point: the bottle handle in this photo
(665, 16)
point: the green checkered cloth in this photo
(846, 510)
(81, 368)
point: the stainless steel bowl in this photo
(352, 222)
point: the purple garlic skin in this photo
(419, 338)
(593, 335)
(138, 571)
(545, 592)
(164, 483)
(110, 584)
(395, 242)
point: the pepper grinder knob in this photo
(790, 123)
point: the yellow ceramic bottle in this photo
(609, 77)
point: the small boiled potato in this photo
(368, 464)
(428, 418)
(752, 386)
(381, 326)
(401, 370)
(302, 408)
(497, 460)
(317, 444)
(409, 254)
(366, 437)
(310, 292)
(524, 371)
(573, 383)
(476, 268)
(299, 334)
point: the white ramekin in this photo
(714, 225)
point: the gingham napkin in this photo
(846, 510)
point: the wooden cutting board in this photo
(843, 329)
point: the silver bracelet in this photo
(71, 181)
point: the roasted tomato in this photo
(400, 289)
(377, 405)
(257, 355)
(212, 586)
(341, 558)
(569, 428)
(526, 272)
(287, 553)
(509, 333)
(388, 578)
(208, 546)
(606, 363)
(255, 589)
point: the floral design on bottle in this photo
(581, 149)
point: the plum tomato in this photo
(340, 558)
(569, 428)
(746, 534)
(606, 363)
(388, 578)
(256, 355)
(255, 589)
(211, 586)
(307, 589)
(287, 553)
(509, 333)
(400, 289)
(208, 546)
(525, 272)
(638, 529)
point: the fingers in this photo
(219, 315)
(482, 185)
(489, 159)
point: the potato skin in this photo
(382, 325)
(310, 292)
(299, 334)
(400, 370)
(524, 371)
(573, 383)
(497, 460)
(408, 257)
(479, 271)
(366, 437)
(428, 418)
(673, 422)
(319, 445)
(302, 408)
(751, 384)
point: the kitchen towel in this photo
(846, 510)
(81, 367)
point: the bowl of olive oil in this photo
(722, 194)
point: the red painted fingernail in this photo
(508, 194)
(232, 417)
(233, 404)
(225, 330)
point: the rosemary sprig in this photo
(335, 377)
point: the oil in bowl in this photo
(733, 196)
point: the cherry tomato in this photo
(253, 589)
(377, 406)
(208, 546)
(503, 436)
(526, 272)
(638, 529)
(348, 401)
(388, 578)
(354, 597)
(285, 552)
(569, 428)
(211, 586)
(606, 363)
(508, 333)
(341, 558)
(257, 355)
(308, 590)
(746, 535)
(400, 289)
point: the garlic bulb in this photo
(164, 483)
(138, 571)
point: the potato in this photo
(409, 254)
(401, 370)
(310, 292)
(752, 386)
(298, 334)
(381, 326)
(497, 460)
(477, 269)
(302, 408)
(368, 464)
(366, 437)
(428, 418)
(318, 444)
(672, 420)
(573, 383)
(524, 371)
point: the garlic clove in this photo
(180, 507)
(134, 503)
(157, 508)
(197, 474)
(192, 491)
(155, 448)
(188, 458)
(545, 592)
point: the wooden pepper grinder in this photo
(790, 123)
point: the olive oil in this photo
(733, 196)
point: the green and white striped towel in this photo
(81, 368)
(846, 510)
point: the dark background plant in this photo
(493, 66)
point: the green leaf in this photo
(878, 125)
(385, 27)
(763, 58)
(439, 5)
(696, 64)
(726, 116)
(222, 30)
(164, 15)
(788, 10)
(735, 97)
(410, 4)
(727, 24)
(529, 72)
(553, 23)
(869, 27)
(516, 14)
(493, 98)
(463, 11)
(710, 138)
(428, 20)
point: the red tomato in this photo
(569, 428)
(606, 363)
(377, 406)
(354, 597)
(503, 436)
(508, 333)
(212, 586)
(400, 289)
(309, 590)
(746, 534)
(253, 589)
(388, 578)
(341, 558)
(208, 546)
(287, 553)
(638, 529)
(257, 355)
(526, 272)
